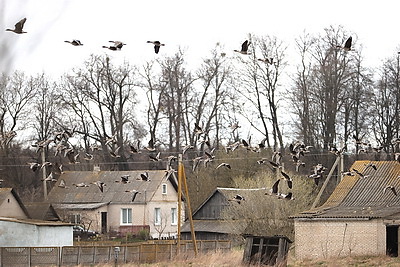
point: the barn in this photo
(361, 217)
(208, 218)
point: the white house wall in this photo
(165, 202)
(15, 234)
(326, 239)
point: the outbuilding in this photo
(361, 217)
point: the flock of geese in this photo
(117, 45)
(296, 150)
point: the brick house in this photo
(361, 217)
(114, 210)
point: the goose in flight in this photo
(224, 164)
(34, 166)
(267, 60)
(50, 178)
(62, 184)
(238, 198)
(347, 44)
(134, 193)
(81, 185)
(100, 185)
(74, 42)
(288, 179)
(245, 47)
(18, 27)
(391, 188)
(157, 45)
(117, 44)
(124, 179)
(144, 177)
(155, 158)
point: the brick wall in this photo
(326, 239)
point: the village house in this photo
(118, 209)
(11, 205)
(361, 217)
(16, 225)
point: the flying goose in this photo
(100, 185)
(144, 177)
(186, 148)
(74, 42)
(134, 193)
(288, 179)
(360, 173)
(62, 184)
(245, 47)
(81, 185)
(155, 158)
(18, 27)
(50, 178)
(347, 44)
(124, 179)
(238, 198)
(157, 45)
(392, 188)
(118, 44)
(267, 60)
(34, 166)
(224, 164)
(370, 165)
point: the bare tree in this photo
(102, 96)
(387, 104)
(259, 86)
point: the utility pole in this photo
(44, 174)
(182, 179)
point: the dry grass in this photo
(234, 258)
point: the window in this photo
(174, 216)
(164, 189)
(126, 216)
(157, 216)
(75, 218)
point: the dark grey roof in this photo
(113, 192)
(362, 198)
(42, 211)
(228, 193)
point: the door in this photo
(104, 222)
(392, 240)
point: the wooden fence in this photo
(87, 255)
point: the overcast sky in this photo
(195, 26)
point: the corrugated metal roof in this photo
(113, 192)
(362, 197)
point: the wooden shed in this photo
(268, 250)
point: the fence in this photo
(75, 255)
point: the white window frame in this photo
(126, 212)
(157, 216)
(174, 216)
(164, 189)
